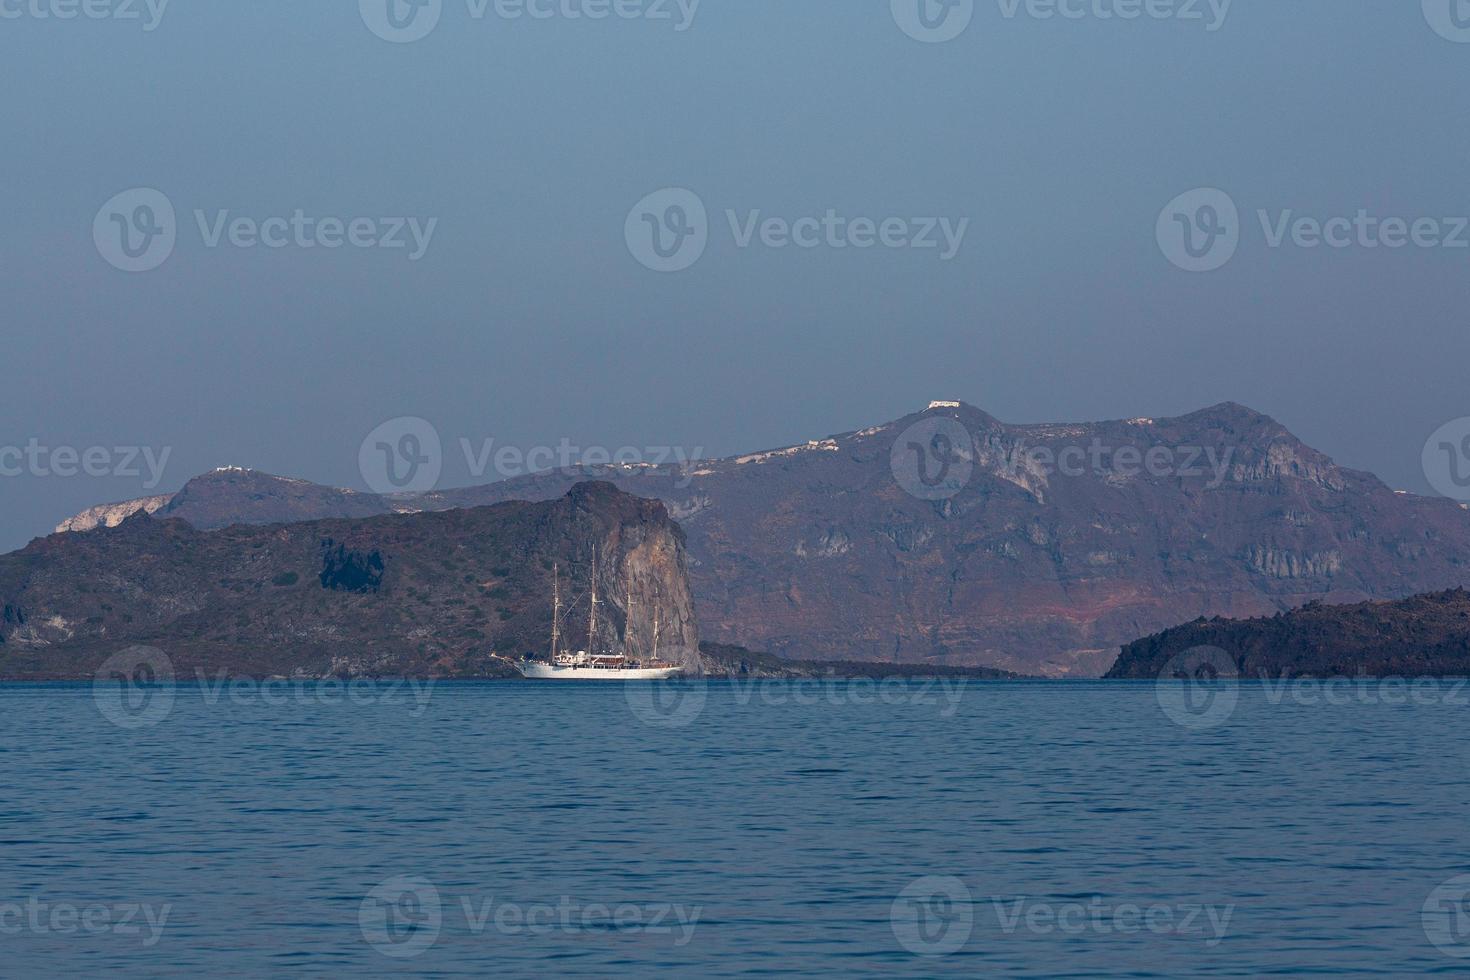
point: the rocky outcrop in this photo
(111, 515)
(461, 593)
(1422, 636)
(234, 495)
(1063, 542)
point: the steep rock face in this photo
(111, 515)
(817, 552)
(438, 594)
(1044, 562)
(1422, 636)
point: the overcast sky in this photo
(522, 308)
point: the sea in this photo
(735, 829)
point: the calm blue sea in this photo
(519, 829)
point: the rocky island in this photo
(1423, 636)
(459, 593)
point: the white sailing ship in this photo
(589, 664)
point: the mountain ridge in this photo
(816, 551)
(459, 593)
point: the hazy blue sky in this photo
(529, 321)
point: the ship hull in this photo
(549, 672)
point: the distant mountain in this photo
(111, 515)
(1422, 636)
(1059, 543)
(454, 594)
(234, 495)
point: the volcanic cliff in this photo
(459, 593)
(1061, 543)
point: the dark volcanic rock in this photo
(431, 595)
(816, 552)
(1423, 636)
(238, 496)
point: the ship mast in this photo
(555, 610)
(628, 629)
(592, 613)
(655, 632)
